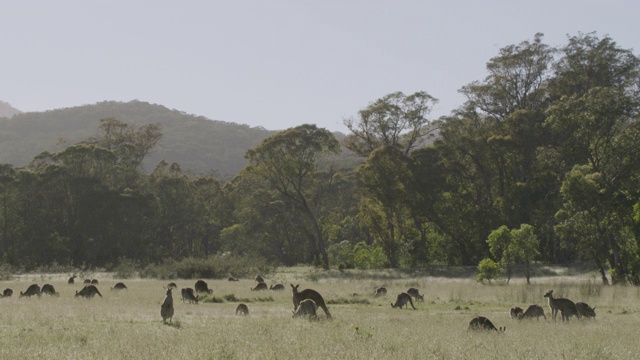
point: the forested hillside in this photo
(6, 110)
(540, 164)
(198, 144)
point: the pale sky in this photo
(275, 63)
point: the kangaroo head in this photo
(549, 294)
(295, 288)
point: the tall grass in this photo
(127, 324)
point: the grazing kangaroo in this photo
(259, 278)
(33, 289)
(306, 308)
(72, 280)
(202, 286)
(585, 311)
(88, 292)
(402, 300)
(566, 307)
(515, 312)
(261, 286)
(299, 296)
(188, 294)
(276, 287)
(533, 311)
(49, 290)
(482, 323)
(119, 286)
(380, 291)
(415, 294)
(242, 309)
(7, 292)
(233, 279)
(166, 309)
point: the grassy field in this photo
(127, 324)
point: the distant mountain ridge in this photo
(6, 110)
(197, 143)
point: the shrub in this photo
(489, 270)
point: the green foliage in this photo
(489, 270)
(213, 267)
(369, 256)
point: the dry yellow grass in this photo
(127, 324)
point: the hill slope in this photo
(6, 110)
(196, 143)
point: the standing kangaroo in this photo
(482, 323)
(308, 294)
(402, 300)
(566, 307)
(166, 309)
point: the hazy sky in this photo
(275, 63)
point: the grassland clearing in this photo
(128, 324)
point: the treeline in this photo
(539, 164)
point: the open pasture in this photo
(127, 323)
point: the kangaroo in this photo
(276, 287)
(7, 292)
(585, 311)
(49, 290)
(306, 308)
(119, 286)
(94, 282)
(261, 286)
(72, 280)
(259, 278)
(242, 309)
(415, 294)
(33, 289)
(233, 279)
(202, 286)
(88, 292)
(515, 312)
(533, 311)
(482, 323)
(299, 296)
(566, 307)
(188, 295)
(402, 300)
(166, 309)
(172, 285)
(380, 291)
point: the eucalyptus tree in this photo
(395, 120)
(385, 203)
(596, 143)
(288, 161)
